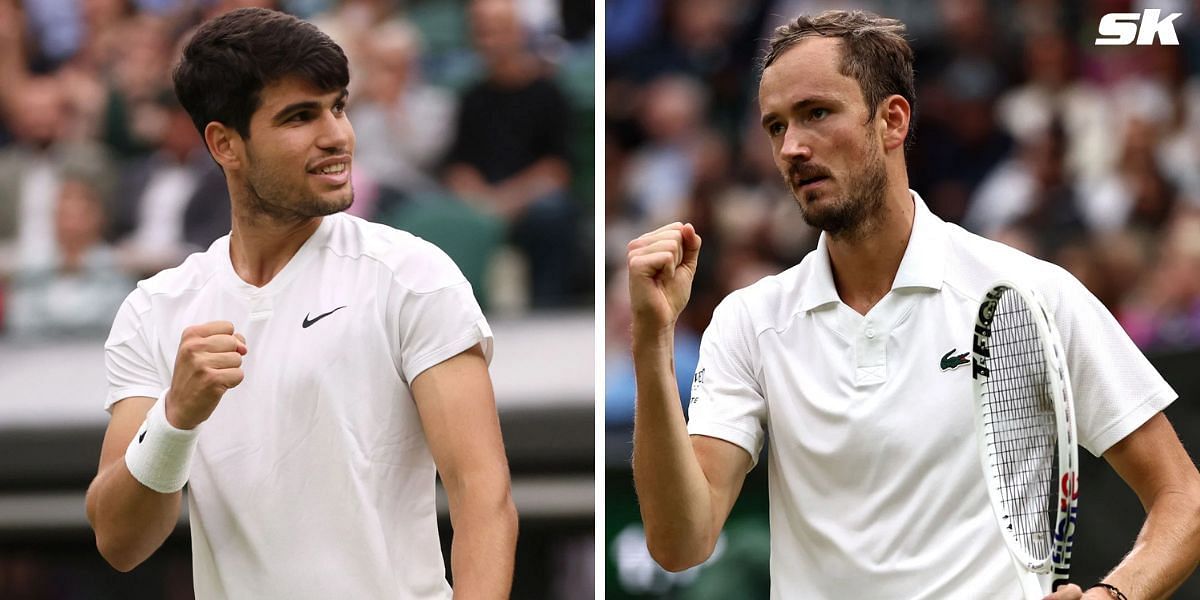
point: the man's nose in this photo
(336, 133)
(796, 146)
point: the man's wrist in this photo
(174, 415)
(160, 455)
(649, 337)
(1106, 591)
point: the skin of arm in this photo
(1155, 465)
(129, 519)
(458, 414)
(509, 197)
(686, 486)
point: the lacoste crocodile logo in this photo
(951, 361)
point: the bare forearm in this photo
(130, 520)
(536, 181)
(485, 539)
(466, 182)
(1165, 552)
(673, 492)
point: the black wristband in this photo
(1112, 591)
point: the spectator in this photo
(1164, 312)
(1033, 192)
(403, 126)
(157, 193)
(1053, 91)
(509, 157)
(1136, 193)
(77, 288)
(662, 172)
(138, 77)
(32, 167)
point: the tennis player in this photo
(851, 363)
(307, 373)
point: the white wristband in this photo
(160, 456)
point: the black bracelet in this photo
(1112, 591)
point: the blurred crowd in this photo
(1025, 132)
(473, 122)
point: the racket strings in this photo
(1020, 425)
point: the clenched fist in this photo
(662, 265)
(209, 362)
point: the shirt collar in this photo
(923, 264)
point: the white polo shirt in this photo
(313, 478)
(876, 489)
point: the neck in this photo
(260, 247)
(865, 265)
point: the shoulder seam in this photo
(394, 276)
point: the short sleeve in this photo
(1115, 387)
(439, 323)
(727, 400)
(128, 359)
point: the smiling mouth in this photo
(334, 169)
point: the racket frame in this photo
(1057, 564)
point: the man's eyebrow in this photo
(306, 105)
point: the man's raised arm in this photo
(133, 503)
(686, 487)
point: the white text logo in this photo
(1120, 29)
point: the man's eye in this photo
(339, 108)
(819, 113)
(775, 129)
(300, 116)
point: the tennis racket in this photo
(1026, 428)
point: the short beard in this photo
(853, 216)
(272, 200)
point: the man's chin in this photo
(822, 212)
(334, 203)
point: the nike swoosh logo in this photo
(308, 322)
(142, 437)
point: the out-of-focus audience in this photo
(403, 124)
(1025, 132)
(104, 179)
(172, 201)
(510, 155)
(75, 289)
(34, 163)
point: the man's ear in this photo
(896, 114)
(225, 144)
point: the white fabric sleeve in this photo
(128, 359)
(437, 324)
(727, 401)
(1116, 388)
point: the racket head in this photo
(1034, 451)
